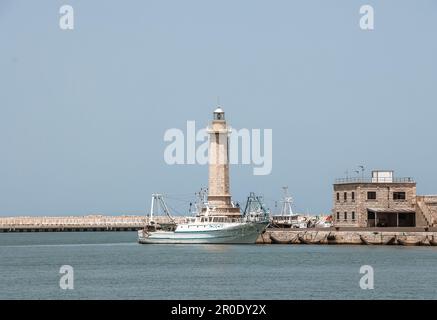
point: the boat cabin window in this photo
(218, 219)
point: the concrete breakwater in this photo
(77, 223)
(408, 237)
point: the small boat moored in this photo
(411, 242)
(432, 241)
(277, 240)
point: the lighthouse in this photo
(219, 196)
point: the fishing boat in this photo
(209, 227)
(286, 218)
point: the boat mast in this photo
(152, 207)
(255, 205)
(286, 203)
(159, 199)
(201, 201)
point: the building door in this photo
(407, 219)
(371, 219)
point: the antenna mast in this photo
(286, 203)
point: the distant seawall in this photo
(76, 223)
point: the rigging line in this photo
(174, 210)
(171, 198)
(270, 199)
(180, 194)
(180, 198)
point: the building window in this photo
(353, 215)
(338, 215)
(338, 196)
(345, 216)
(398, 195)
(371, 195)
(345, 196)
(353, 196)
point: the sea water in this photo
(112, 265)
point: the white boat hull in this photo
(232, 233)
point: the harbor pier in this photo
(351, 236)
(77, 223)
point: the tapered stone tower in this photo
(219, 196)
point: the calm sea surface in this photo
(111, 265)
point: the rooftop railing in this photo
(374, 180)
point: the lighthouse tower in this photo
(219, 196)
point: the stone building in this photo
(381, 201)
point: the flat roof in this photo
(391, 210)
(374, 180)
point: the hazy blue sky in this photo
(83, 112)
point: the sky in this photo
(83, 112)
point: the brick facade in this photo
(354, 200)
